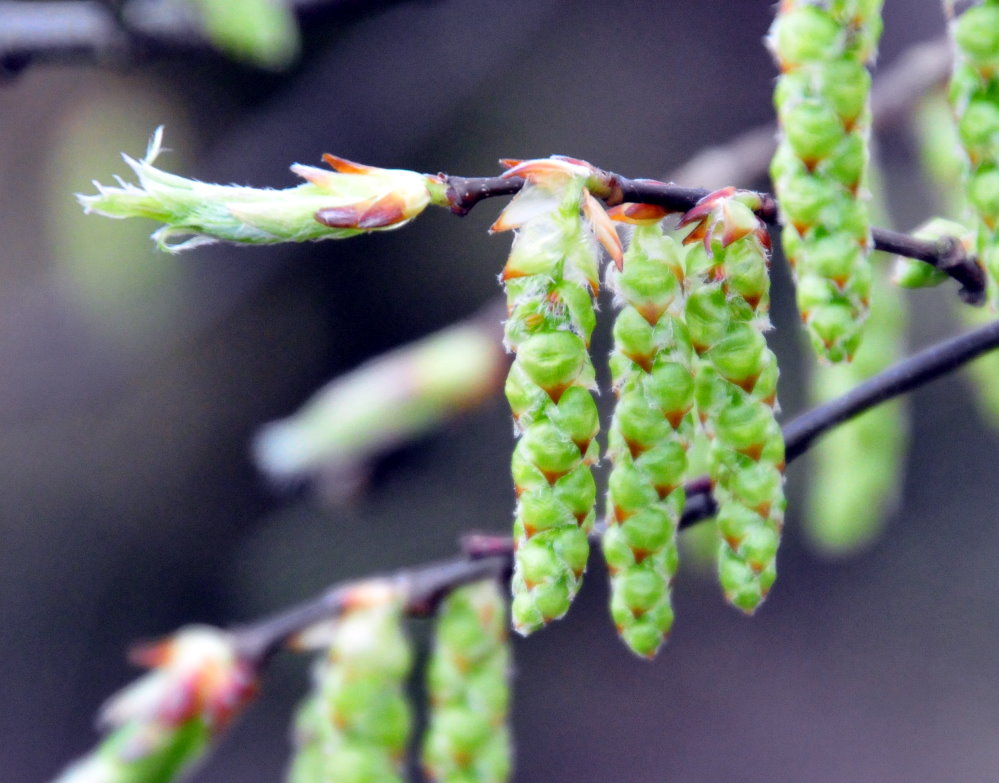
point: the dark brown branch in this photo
(490, 556)
(946, 254)
(920, 368)
(421, 588)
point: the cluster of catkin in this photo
(689, 354)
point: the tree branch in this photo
(490, 556)
(947, 254)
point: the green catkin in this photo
(974, 96)
(467, 739)
(354, 726)
(649, 436)
(736, 389)
(550, 278)
(820, 167)
(856, 469)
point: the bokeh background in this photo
(134, 382)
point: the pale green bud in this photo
(352, 200)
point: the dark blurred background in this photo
(134, 382)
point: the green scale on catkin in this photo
(974, 95)
(735, 389)
(354, 726)
(467, 739)
(550, 278)
(649, 436)
(820, 167)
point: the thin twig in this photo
(947, 254)
(922, 367)
(490, 556)
(421, 588)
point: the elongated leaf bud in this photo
(262, 32)
(354, 726)
(162, 725)
(736, 387)
(820, 166)
(353, 199)
(649, 436)
(385, 403)
(550, 278)
(468, 739)
(974, 95)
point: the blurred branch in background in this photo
(262, 32)
(489, 555)
(384, 403)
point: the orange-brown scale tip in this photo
(345, 166)
(721, 193)
(603, 229)
(734, 233)
(637, 214)
(386, 211)
(509, 163)
(699, 211)
(542, 168)
(699, 234)
(510, 274)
